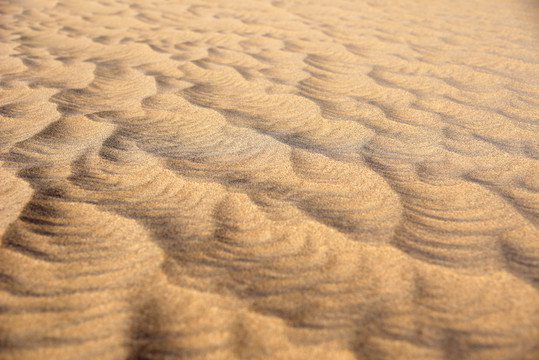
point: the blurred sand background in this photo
(269, 179)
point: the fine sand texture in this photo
(328, 179)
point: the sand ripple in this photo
(269, 180)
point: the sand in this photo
(269, 179)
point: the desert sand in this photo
(269, 179)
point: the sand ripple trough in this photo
(269, 179)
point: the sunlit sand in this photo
(269, 180)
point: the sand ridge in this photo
(269, 179)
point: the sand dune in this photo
(269, 179)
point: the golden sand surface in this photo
(324, 179)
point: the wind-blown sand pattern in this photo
(269, 180)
